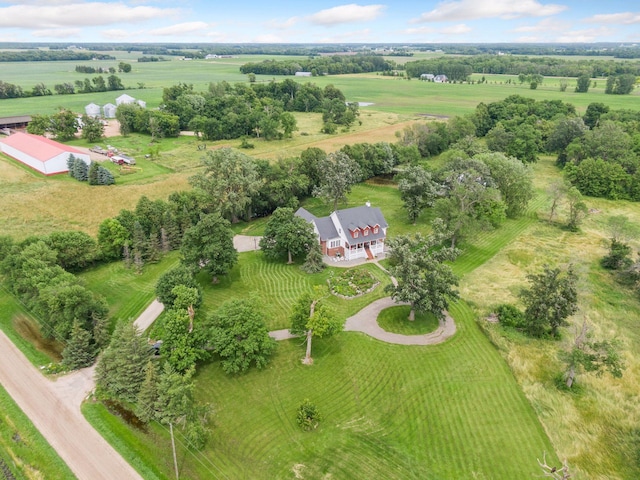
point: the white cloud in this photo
(585, 36)
(546, 25)
(282, 25)
(475, 9)
(78, 15)
(57, 33)
(625, 18)
(115, 34)
(347, 14)
(459, 29)
(455, 29)
(179, 29)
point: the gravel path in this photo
(149, 315)
(366, 321)
(54, 409)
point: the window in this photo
(355, 234)
(334, 244)
(375, 229)
(366, 231)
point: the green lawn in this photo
(277, 286)
(440, 412)
(394, 320)
(127, 292)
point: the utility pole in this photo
(173, 446)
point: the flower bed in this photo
(352, 283)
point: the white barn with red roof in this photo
(42, 154)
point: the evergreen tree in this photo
(92, 174)
(148, 395)
(314, 262)
(71, 163)
(80, 170)
(79, 351)
(105, 177)
(120, 370)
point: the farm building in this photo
(40, 153)
(109, 110)
(357, 232)
(440, 79)
(8, 123)
(142, 103)
(124, 98)
(427, 77)
(92, 110)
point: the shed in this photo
(20, 121)
(142, 103)
(427, 77)
(109, 110)
(92, 110)
(440, 79)
(40, 153)
(124, 98)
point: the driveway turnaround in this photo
(54, 409)
(366, 321)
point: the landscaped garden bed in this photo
(352, 283)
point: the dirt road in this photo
(54, 409)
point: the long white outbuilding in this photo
(42, 154)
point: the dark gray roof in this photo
(350, 219)
(326, 228)
(307, 215)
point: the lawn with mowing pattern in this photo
(395, 320)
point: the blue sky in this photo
(322, 21)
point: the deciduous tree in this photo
(313, 318)
(417, 190)
(551, 298)
(337, 173)
(239, 335)
(209, 245)
(230, 180)
(589, 355)
(286, 235)
(424, 280)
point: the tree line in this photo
(515, 65)
(122, 67)
(50, 55)
(88, 85)
(323, 65)
(228, 111)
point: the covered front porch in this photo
(365, 249)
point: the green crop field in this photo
(389, 94)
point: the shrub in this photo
(509, 315)
(308, 416)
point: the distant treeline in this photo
(50, 55)
(572, 49)
(96, 84)
(328, 65)
(515, 65)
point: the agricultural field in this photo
(388, 94)
(483, 405)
